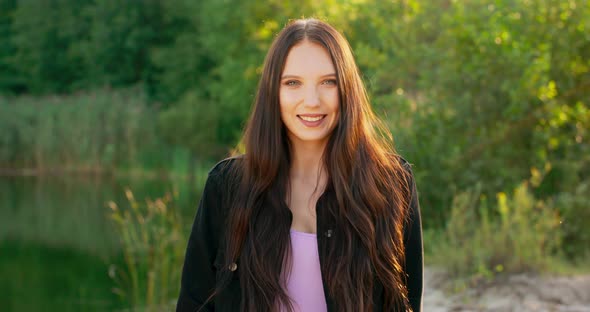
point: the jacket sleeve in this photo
(414, 249)
(198, 273)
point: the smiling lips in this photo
(311, 120)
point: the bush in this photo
(575, 209)
(520, 234)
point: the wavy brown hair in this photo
(369, 203)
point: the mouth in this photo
(311, 118)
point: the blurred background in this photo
(112, 113)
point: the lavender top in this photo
(304, 286)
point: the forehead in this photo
(308, 59)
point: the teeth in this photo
(311, 118)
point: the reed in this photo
(153, 244)
(92, 131)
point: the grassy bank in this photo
(91, 132)
(483, 240)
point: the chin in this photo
(312, 139)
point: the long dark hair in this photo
(369, 183)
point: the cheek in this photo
(332, 98)
(287, 98)
(283, 104)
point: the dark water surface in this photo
(57, 241)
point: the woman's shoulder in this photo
(226, 169)
(402, 161)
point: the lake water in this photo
(57, 241)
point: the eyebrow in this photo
(295, 76)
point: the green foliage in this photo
(91, 131)
(479, 92)
(9, 78)
(212, 69)
(575, 220)
(153, 245)
(120, 38)
(193, 124)
(43, 34)
(520, 234)
(473, 91)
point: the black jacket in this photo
(203, 257)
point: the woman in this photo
(320, 214)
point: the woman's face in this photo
(308, 95)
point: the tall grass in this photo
(518, 233)
(89, 131)
(151, 233)
(575, 208)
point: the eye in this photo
(291, 83)
(330, 82)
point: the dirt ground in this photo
(522, 292)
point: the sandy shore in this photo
(522, 292)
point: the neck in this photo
(306, 163)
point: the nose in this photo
(312, 97)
